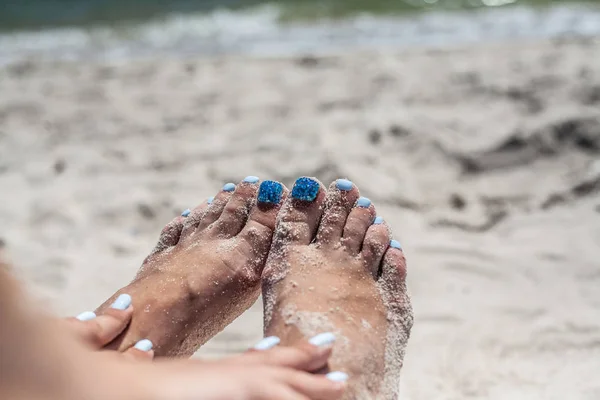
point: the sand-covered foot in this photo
(205, 270)
(333, 267)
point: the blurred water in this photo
(259, 31)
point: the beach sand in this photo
(485, 161)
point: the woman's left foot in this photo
(205, 270)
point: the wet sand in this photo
(485, 160)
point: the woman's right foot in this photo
(205, 270)
(334, 268)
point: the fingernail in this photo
(186, 213)
(343, 184)
(251, 179)
(363, 202)
(395, 244)
(267, 343)
(229, 187)
(210, 200)
(322, 339)
(305, 189)
(144, 345)
(86, 316)
(122, 302)
(337, 376)
(378, 221)
(270, 192)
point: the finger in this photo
(317, 387)
(303, 356)
(141, 351)
(101, 330)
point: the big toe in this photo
(258, 231)
(300, 215)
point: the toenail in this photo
(337, 376)
(322, 339)
(86, 316)
(363, 202)
(186, 213)
(210, 200)
(122, 302)
(229, 187)
(305, 189)
(395, 244)
(251, 179)
(267, 343)
(144, 345)
(343, 184)
(378, 221)
(270, 192)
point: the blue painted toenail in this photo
(378, 221)
(363, 202)
(210, 200)
(305, 189)
(270, 192)
(251, 179)
(343, 184)
(229, 187)
(395, 244)
(186, 213)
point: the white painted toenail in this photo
(337, 376)
(267, 343)
(144, 345)
(322, 339)
(86, 316)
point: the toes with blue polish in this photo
(363, 202)
(378, 221)
(305, 189)
(395, 244)
(229, 187)
(343, 184)
(251, 179)
(270, 192)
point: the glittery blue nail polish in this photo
(343, 184)
(251, 179)
(270, 192)
(378, 221)
(305, 189)
(229, 187)
(395, 244)
(186, 213)
(210, 200)
(363, 202)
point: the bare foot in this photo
(205, 270)
(334, 268)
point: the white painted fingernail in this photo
(122, 302)
(86, 316)
(267, 343)
(144, 345)
(337, 376)
(322, 339)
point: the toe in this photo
(258, 232)
(209, 211)
(300, 215)
(341, 196)
(392, 282)
(375, 244)
(360, 219)
(170, 234)
(236, 212)
(393, 265)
